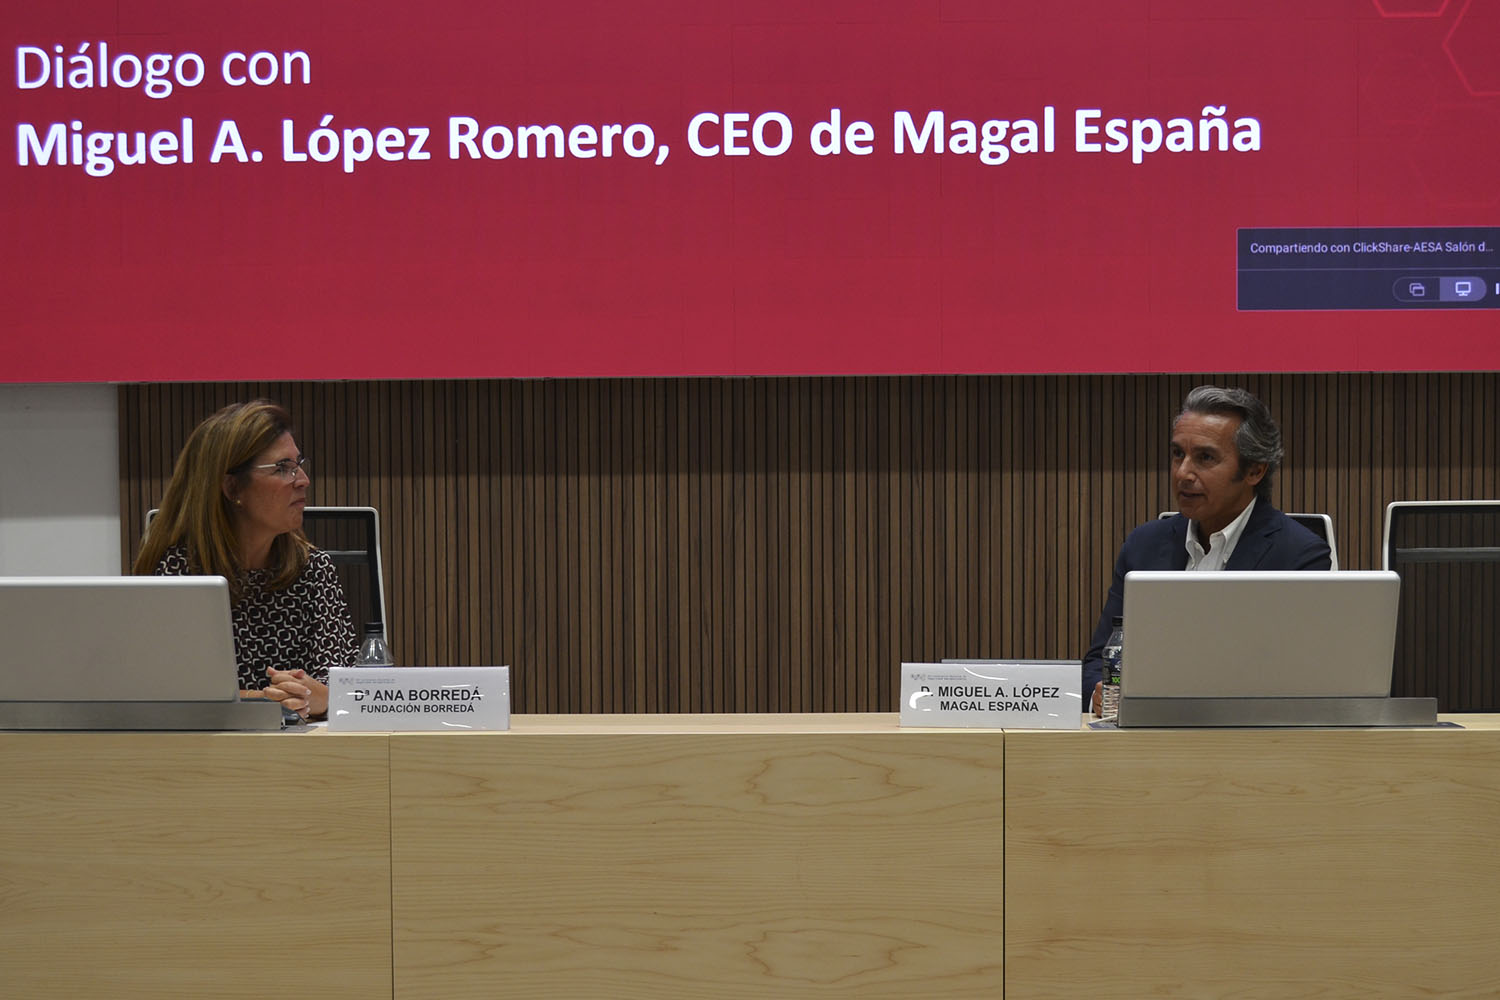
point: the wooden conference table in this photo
(752, 856)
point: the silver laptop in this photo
(1301, 644)
(121, 653)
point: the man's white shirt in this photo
(1220, 544)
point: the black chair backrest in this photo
(351, 535)
(1322, 526)
(1448, 632)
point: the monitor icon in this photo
(1467, 289)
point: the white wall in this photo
(59, 480)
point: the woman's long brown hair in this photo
(195, 513)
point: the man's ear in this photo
(1255, 473)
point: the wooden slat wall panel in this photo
(776, 544)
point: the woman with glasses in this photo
(233, 508)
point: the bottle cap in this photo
(1117, 621)
(374, 628)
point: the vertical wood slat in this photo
(781, 544)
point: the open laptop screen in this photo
(1238, 634)
(113, 639)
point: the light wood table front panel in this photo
(192, 865)
(1253, 864)
(714, 858)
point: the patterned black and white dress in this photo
(306, 625)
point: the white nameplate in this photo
(993, 695)
(418, 699)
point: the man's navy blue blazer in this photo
(1271, 540)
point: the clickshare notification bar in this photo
(1450, 267)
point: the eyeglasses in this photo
(287, 468)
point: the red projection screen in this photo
(327, 189)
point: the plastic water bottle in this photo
(373, 652)
(1114, 649)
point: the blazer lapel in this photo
(1255, 542)
(1173, 553)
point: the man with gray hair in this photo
(1225, 449)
